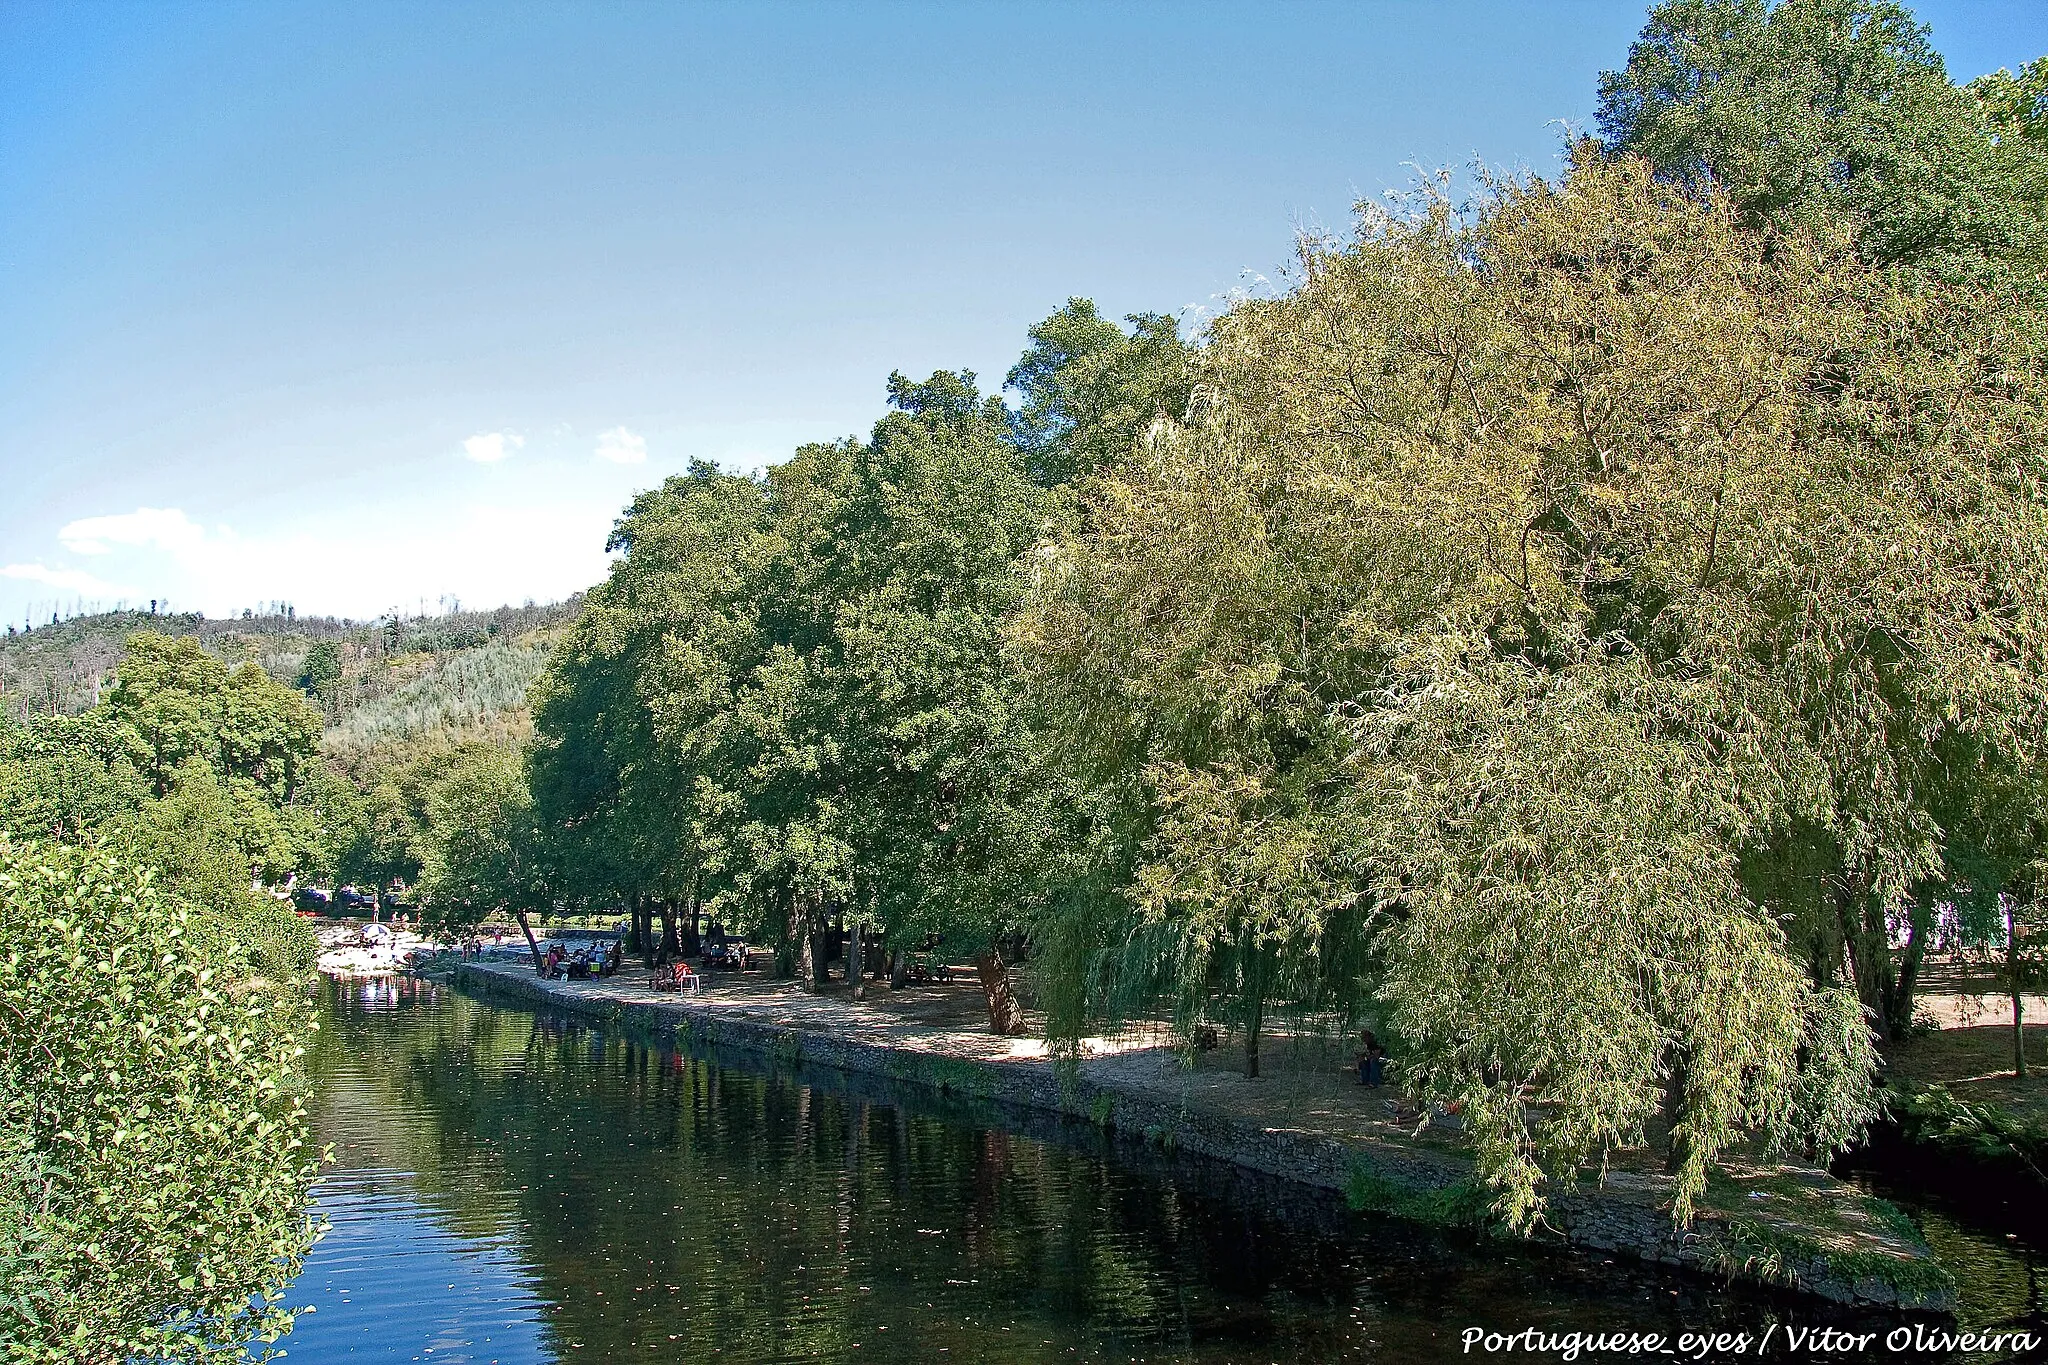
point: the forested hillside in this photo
(63, 668)
(478, 691)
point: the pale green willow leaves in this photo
(1507, 585)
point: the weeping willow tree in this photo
(1514, 586)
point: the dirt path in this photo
(1307, 1120)
(1976, 1065)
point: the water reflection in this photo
(394, 1283)
(516, 1187)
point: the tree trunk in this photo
(855, 977)
(1252, 978)
(669, 949)
(1899, 999)
(820, 941)
(693, 934)
(810, 964)
(532, 944)
(2013, 982)
(1254, 1020)
(1868, 951)
(646, 930)
(1005, 1012)
(1675, 1083)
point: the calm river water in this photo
(516, 1188)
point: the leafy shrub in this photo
(153, 1154)
(1934, 1116)
(279, 945)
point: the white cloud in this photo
(621, 446)
(164, 528)
(403, 539)
(489, 447)
(68, 580)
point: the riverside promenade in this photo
(1788, 1226)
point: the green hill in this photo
(478, 688)
(377, 681)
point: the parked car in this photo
(353, 899)
(312, 899)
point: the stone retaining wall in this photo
(1875, 1262)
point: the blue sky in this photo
(364, 306)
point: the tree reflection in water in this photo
(664, 1207)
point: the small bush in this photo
(279, 944)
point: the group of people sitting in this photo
(722, 953)
(581, 965)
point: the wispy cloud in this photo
(548, 545)
(65, 580)
(621, 446)
(489, 447)
(492, 447)
(163, 528)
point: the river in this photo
(519, 1187)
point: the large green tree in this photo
(234, 808)
(1088, 389)
(176, 701)
(789, 702)
(1815, 111)
(1515, 584)
(667, 636)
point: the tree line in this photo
(154, 1146)
(1593, 635)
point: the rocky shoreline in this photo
(1790, 1227)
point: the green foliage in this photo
(280, 946)
(72, 778)
(154, 1147)
(1816, 111)
(790, 699)
(1090, 389)
(478, 845)
(177, 702)
(1502, 664)
(1460, 1204)
(1934, 1116)
(320, 672)
(62, 669)
(62, 775)
(2015, 106)
(1777, 1252)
